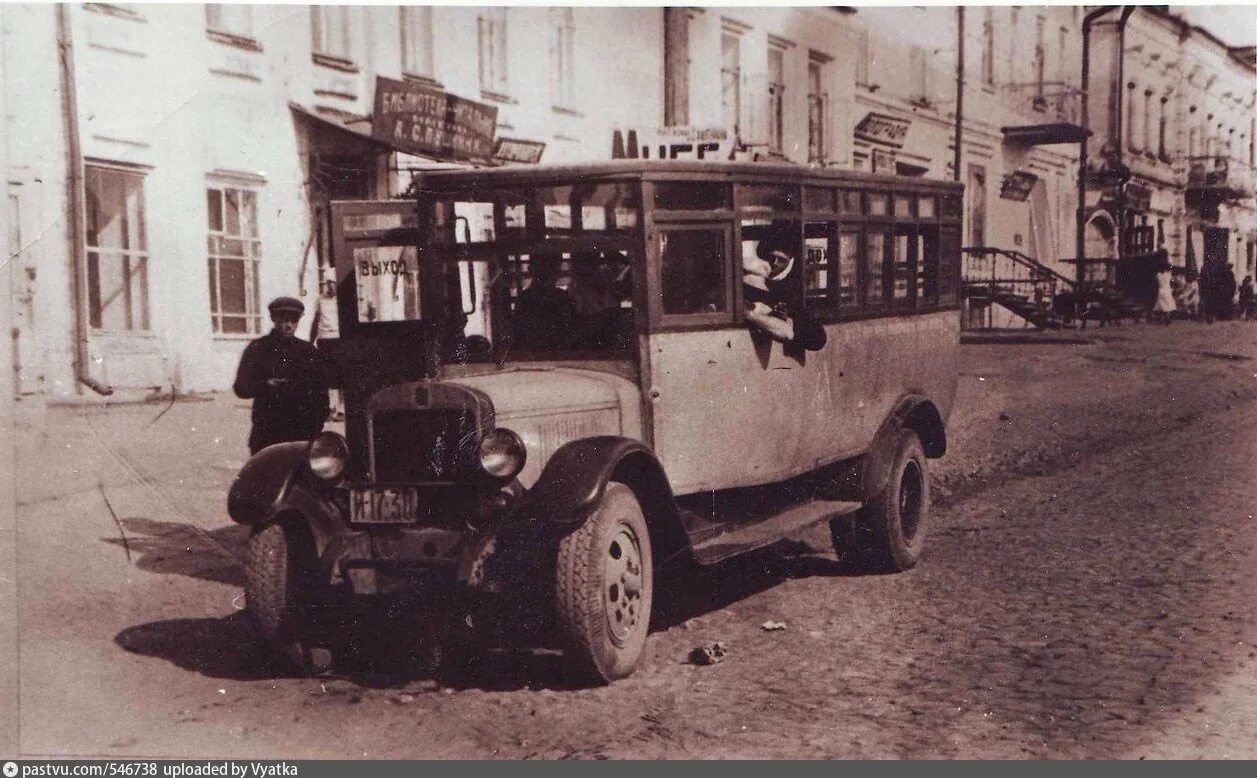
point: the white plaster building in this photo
(1021, 113)
(207, 134)
(1172, 107)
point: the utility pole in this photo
(960, 88)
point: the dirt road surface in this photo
(1088, 591)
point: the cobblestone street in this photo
(1087, 591)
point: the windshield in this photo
(541, 273)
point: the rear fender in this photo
(572, 484)
(913, 412)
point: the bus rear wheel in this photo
(891, 527)
(604, 588)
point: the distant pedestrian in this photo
(1164, 306)
(1191, 296)
(283, 376)
(1226, 292)
(1248, 299)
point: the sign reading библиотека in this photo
(424, 120)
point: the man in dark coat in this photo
(283, 376)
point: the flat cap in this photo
(286, 305)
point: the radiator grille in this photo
(421, 445)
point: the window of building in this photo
(492, 32)
(416, 27)
(329, 26)
(817, 108)
(562, 66)
(1040, 57)
(731, 78)
(919, 67)
(1147, 121)
(864, 53)
(233, 19)
(1062, 61)
(1163, 151)
(117, 249)
(988, 46)
(1132, 114)
(776, 96)
(1015, 57)
(977, 205)
(235, 252)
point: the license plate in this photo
(384, 505)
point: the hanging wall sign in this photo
(882, 129)
(518, 152)
(1017, 185)
(427, 121)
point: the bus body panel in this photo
(733, 410)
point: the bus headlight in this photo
(327, 455)
(501, 454)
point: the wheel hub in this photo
(622, 584)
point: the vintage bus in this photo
(553, 387)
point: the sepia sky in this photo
(1236, 25)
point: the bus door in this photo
(720, 393)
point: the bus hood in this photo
(548, 407)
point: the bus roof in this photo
(673, 169)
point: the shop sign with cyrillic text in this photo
(423, 120)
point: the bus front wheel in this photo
(891, 527)
(603, 589)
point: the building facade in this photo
(1021, 115)
(196, 143)
(1172, 108)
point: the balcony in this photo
(1053, 111)
(1216, 179)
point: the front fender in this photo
(262, 481)
(572, 483)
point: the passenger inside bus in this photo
(597, 304)
(545, 315)
(770, 291)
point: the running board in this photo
(764, 532)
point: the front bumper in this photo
(385, 559)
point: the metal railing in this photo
(996, 273)
(1051, 101)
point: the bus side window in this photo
(692, 271)
(927, 267)
(820, 276)
(948, 265)
(903, 260)
(848, 268)
(875, 267)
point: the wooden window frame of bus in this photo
(653, 221)
(740, 212)
(499, 249)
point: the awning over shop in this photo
(350, 127)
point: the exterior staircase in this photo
(1015, 282)
(1035, 292)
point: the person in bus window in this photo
(595, 301)
(770, 293)
(544, 314)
